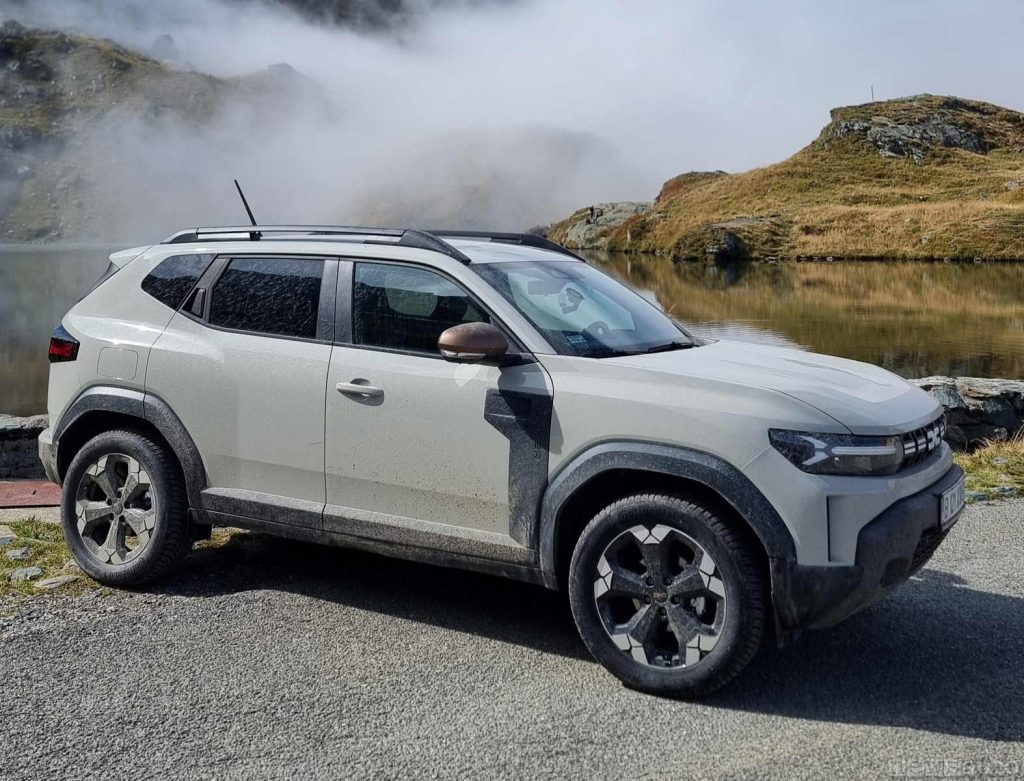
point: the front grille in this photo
(919, 444)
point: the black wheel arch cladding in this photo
(146, 407)
(708, 470)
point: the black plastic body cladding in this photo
(154, 410)
(704, 468)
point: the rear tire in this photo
(667, 596)
(123, 509)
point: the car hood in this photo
(864, 398)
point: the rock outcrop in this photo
(978, 409)
(915, 136)
(590, 228)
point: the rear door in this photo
(244, 364)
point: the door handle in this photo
(357, 388)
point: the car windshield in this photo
(582, 311)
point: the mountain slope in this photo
(921, 177)
(61, 94)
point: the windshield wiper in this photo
(664, 348)
(658, 348)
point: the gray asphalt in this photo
(272, 659)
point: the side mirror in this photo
(472, 342)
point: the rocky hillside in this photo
(921, 177)
(58, 92)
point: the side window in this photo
(174, 277)
(269, 295)
(405, 308)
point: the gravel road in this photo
(273, 659)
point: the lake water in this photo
(915, 319)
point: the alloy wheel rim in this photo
(660, 596)
(115, 509)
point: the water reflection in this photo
(915, 319)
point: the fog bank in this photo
(505, 114)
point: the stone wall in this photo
(978, 409)
(19, 452)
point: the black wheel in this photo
(123, 509)
(666, 596)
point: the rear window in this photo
(174, 277)
(269, 295)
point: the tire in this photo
(686, 633)
(123, 533)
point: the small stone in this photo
(999, 461)
(25, 573)
(56, 582)
(18, 554)
(1005, 490)
(976, 496)
(6, 535)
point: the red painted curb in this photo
(29, 493)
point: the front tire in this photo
(667, 596)
(123, 509)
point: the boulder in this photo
(19, 450)
(978, 408)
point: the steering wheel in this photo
(597, 330)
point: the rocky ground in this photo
(281, 660)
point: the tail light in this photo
(63, 346)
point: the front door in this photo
(417, 446)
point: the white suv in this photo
(489, 401)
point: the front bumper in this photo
(890, 549)
(48, 455)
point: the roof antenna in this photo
(253, 235)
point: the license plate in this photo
(951, 502)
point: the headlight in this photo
(838, 454)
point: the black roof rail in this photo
(524, 239)
(406, 237)
(427, 240)
(433, 240)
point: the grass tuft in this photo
(995, 470)
(46, 549)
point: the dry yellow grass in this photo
(996, 470)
